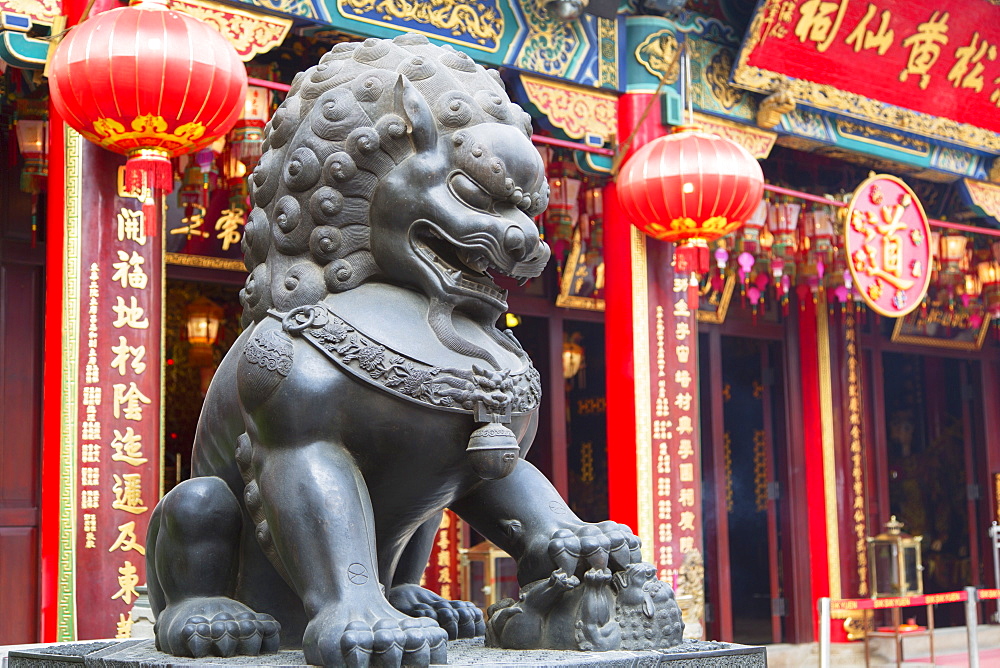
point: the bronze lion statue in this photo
(371, 388)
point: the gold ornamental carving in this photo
(460, 18)
(774, 106)
(251, 34)
(717, 77)
(579, 112)
(659, 54)
(822, 96)
(758, 142)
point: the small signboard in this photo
(887, 239)
(943, 326)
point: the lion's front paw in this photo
(344, 636)
(461, 619)
(198, 627)
(594, 546)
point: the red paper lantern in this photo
(690, 188)
(150, 83)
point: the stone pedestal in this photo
(142, 654)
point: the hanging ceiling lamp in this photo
(148, 82)
(690, 188)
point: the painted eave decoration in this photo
(758, 142)
(984, 196)
(24, 27)
(508, 33)
(926, 67)
(583, 114)
(250, 33)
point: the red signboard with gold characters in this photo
(887, 240)
(940, 58)
(117, 476)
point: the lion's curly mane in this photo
(327, 146)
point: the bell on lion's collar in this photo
(493, 451)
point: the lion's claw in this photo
(594, 546)
(216, 626)
(460, 619)
(390, 642)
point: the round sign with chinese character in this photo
(887, 242)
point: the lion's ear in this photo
(412, 106)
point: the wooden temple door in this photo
(22, 283)
(743, 419)
(932, 467)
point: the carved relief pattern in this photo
(807, 124)
(470, 22)
(659, 54)
(956, 161)
(576, 111)
(250, 34)
(550, 46)
(607, 36)
(897, 140)
(717, 76)
(500, 391)
(271, 353)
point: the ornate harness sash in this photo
(490, 395)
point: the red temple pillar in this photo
(101, 418)
(654, 452)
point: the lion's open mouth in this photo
(461, 268)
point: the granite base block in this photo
(142, 654)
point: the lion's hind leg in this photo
(192, 562)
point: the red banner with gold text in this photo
(676, 457)
(937, 57)
(118, 458)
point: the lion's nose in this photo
(515, 244)
(521, 247)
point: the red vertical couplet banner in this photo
(441, 575)
(676, 451)
(117, 472)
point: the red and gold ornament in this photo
(690, 188)
(150, 83)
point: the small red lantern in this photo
(690, 188)
(148, 82)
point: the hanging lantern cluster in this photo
(690, 188)
(988, 271)
(102, 84)
(32, 128)
(561, 217)
(790, 245)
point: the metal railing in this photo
(970, 596)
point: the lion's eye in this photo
(470, 193)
